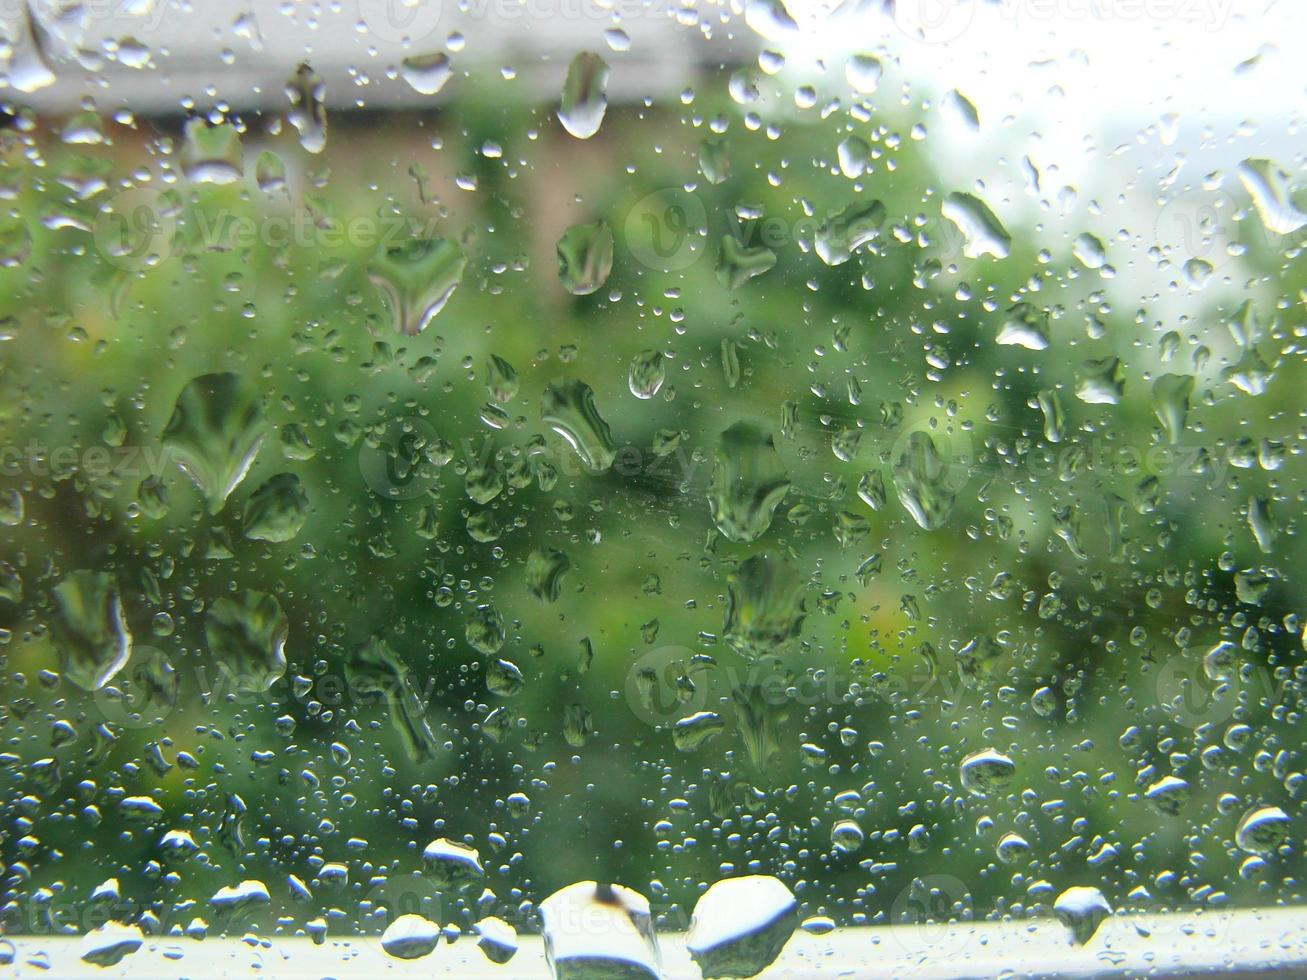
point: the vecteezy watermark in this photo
(942, 21)
(670, 229)
(1212, 227)
(396, 464)
(140, 228)
(396, 21)
(69, 20)
(413, 21)
(397, 895)
(669, 683)
(932, 905)
(1193, 693)
(39, 459)
(151, 687)
(934, 21)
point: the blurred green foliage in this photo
(1110, 616)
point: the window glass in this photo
(726, 475)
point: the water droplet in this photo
(427, 73)
(596, 930)
(417, 278)
(863, 72)
(923, 481)
(984, 234)
(748, 483)
(715, 160)
(764, 606)
(694, 730)
(308, 110)
(214, 434)
(1100, 382)
(585, 257)
(410, 937)
(1168, 795)
(90, 629)
(568, 407)
(986, 771)
(740, 926)
(1268, 186)
(211, 154)
(1081, 909)
(584, 101)
(647, 373)
(277, 510)
(247, 632)
(737, 264)
(1262, 830)
(501, 379)
(109, 943)
(841, 234)
(545, 568)
(1024, 326)
(1171, 394)
(846, 836)
(496, 939)
(450, 864)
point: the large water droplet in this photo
(427, 73)
(585, 257)
(450, 864)
(417, 278)
(984, 234)
(308, 110)
(211, 154)
(584, 101)
(410, 937)
(593, 930)
(694, 730)
(1262, 830)
(214, 433)
(647, 373)
(1268, 186)
(90, 630)
(246, 633)
(740, 926)
(277, 510)
(924, 481)
(1171, 403)
(841, 234)
(737, 264)
(568, 407)
(764, 606)
(985, 771)
(748, 483)
(1081, 909)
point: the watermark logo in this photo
(1211, 227)
(943, 21)
(1187, 694)
(402, 894)
(665, 685)
(659, 688)
(397, 21)
(1195, 693)
(137, 228)
(934, 21)
(69, 20)
(931, 906)
(667, 230)
(143, 693)
(394, 463)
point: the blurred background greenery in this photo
(1101, 589)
